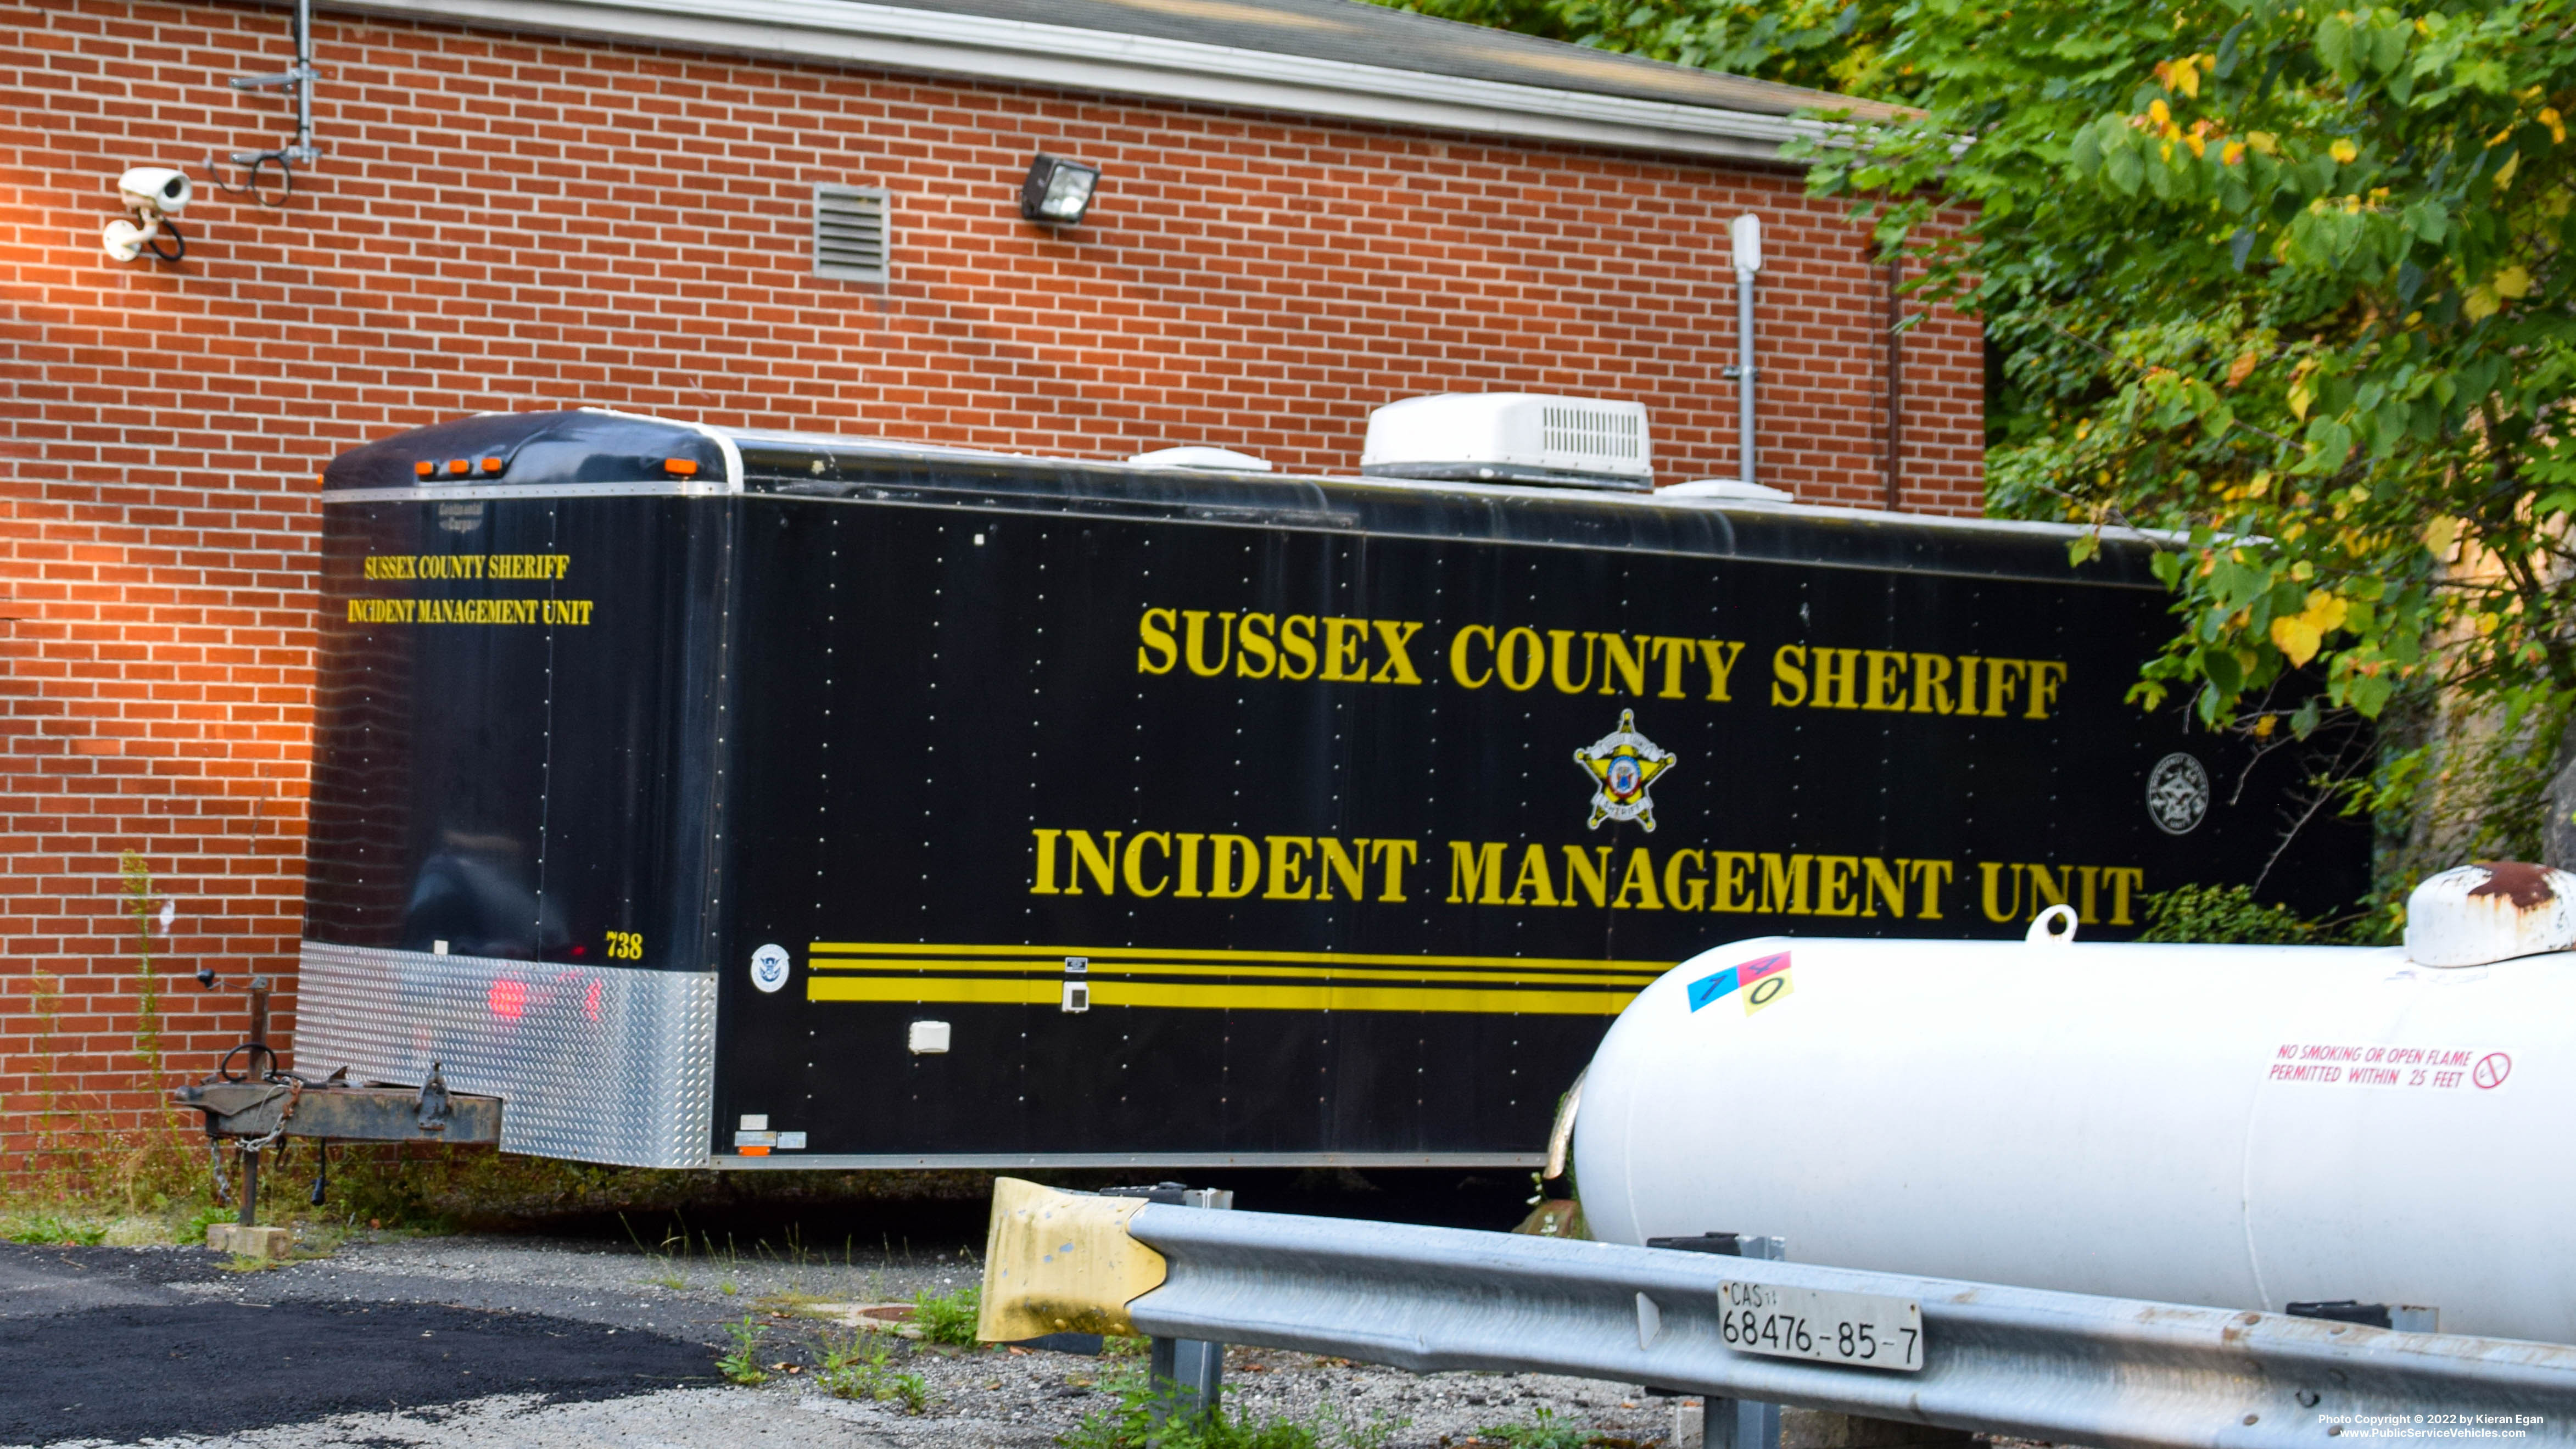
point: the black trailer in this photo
(721, 797)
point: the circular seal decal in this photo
(2177, 794)
(769, 967)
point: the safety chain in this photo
(294, 1086)
(215, 1168)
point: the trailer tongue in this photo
(258, 1104)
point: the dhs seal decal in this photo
(2177, 794)
(1623, 765)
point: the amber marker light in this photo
(491, 465)
(424, 469)
(459, 466)
(679, 467)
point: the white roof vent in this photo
(1223, 460)
(852, 237)
(2493, 911)
(1511, 437)
(1732, 490)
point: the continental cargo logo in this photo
(1520, 658)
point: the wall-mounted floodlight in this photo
(1058, 191)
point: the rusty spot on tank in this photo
(2524, 884)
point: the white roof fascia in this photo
(939, 43)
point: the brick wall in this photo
(502, 222)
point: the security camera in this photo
(154, 194)
(160, 189)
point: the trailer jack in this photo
(259, 1104)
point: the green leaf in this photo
(2334, 44)
(2124, 169)
(2387, 47)
(2329, 444)
(2084, 156)
(2222, 671)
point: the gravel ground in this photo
(497, 1341)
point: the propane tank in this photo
(2240, 1126)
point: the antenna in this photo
(299, 78)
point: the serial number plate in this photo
(1863, 1329)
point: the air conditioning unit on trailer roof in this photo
(1511, 437)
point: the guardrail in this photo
(2061, 1367)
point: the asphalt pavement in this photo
(121, 1345)
(500, 1341)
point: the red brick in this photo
(1246, 278)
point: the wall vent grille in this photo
(854, 233)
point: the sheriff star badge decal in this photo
(1623, 765)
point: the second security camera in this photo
(154, 194)
(154, 188)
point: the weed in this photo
(947, 1317)
(741, 1363)
(854, 1365)
(317, 1240)
(51, 1228)
(910, 1390)
(1119, 1346)
(788, 1303)
(250, 1263)
(147, 998)
(664, 1259)
(1544, 1431)
(728, 1288)
(1170, 1419)
(857, 1366)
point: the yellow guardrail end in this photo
(1061, 1262)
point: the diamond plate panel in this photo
(592, 1063)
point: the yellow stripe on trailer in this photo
(1054, 969)
(1098, 954)
(1192, 996)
